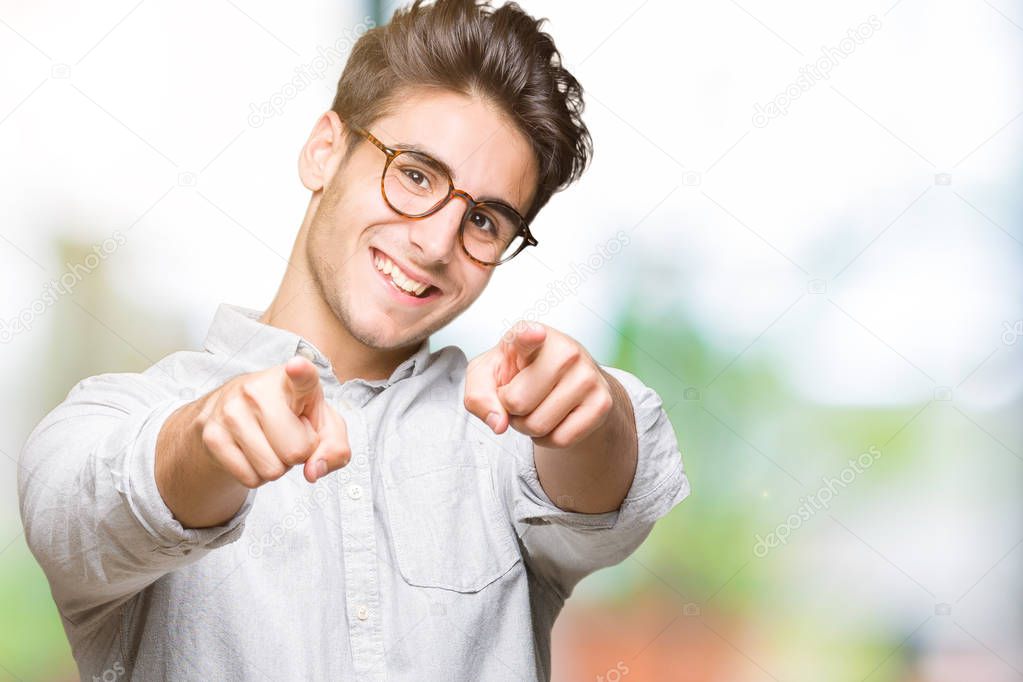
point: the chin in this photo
(375, 330)
(372, 328)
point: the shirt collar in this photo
(237, 331)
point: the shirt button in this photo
(360, 460)
(362, 613)
(355, 491)
(306, 352)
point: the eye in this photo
(483, 222)
(416, 176)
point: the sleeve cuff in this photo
(534, 507)
(136, 482)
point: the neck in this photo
(300, 308)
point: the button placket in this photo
(360, 553)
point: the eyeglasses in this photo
(416, 185)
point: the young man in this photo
(316, 494)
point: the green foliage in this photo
(32, 642)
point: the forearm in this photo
(198, 493)
(595, 474)
(93, 516)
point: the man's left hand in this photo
(540, 382)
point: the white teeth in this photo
(386, 266)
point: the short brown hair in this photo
(468, 47)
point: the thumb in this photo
(481, 398)
(333, 450)
(301, 383)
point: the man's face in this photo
(353, 228)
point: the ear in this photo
(321, 154)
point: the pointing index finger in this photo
(522, 342)
(301, 380)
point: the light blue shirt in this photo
(434, 555)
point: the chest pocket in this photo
(447, 526)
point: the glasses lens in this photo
(492, 232)
(415, 183)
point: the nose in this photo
(436, 235)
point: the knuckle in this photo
(272, 473)
(523, 426)
(341, 450)
(291, 457)
(534, 431)
(297, 453)
(250, 481)
(212, 437)
(248, 391)
(513, 402)
(571, 355)
(344, 456)
(537, 426)
(232, 413)
(473, 402)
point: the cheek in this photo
(475, 282)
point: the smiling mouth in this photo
(400, 280)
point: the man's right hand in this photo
(259, 425)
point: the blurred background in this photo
(802, 227)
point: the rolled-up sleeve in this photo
(563, 546)
(93, 515)
(139, 491)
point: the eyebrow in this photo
(447, 169)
